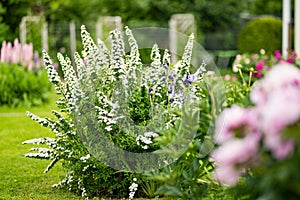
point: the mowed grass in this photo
(23, 178)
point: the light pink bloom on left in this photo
(235, 121)
(234, 156)
(226, 174)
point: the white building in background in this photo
(297, 26)
(286, 26)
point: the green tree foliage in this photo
(211, 15)
(11, 13)
(271, 7)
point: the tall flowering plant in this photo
(20, 54)
(261, 143)
(22, 81)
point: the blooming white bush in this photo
(98, 104)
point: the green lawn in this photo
(20, 177)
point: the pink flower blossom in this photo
(227, 77)
(234, 156)
(234, 78)
(281, 109)
(290, 60)
(3, 51)
(227, 174)
(238, 58)
(281, 75)
(258, 95)
(236, 151)
(259, 65)
(257, 74)
(277, 54)
(235, 121)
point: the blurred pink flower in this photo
(281, 75)
(234, 78)
(235, 122)
(257, 74)
(226, 174)
(281, 109)
(236, 151)
(227, 77)
(234, 156)
(258, 95)
(3, 51)
(260, 65)
(277, 54)
(238, 57)
(290, 60)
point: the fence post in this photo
(286, 20)
(297, 26)
(179, 23)
(45, 36)
(72, 28)
(106, 24)
(44, 30)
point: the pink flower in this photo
(236, 151)
(233, 122)
(234, 156)
(227, 175)
(257, 74)
(234, 78)
(238, 58)
(290, 60)
(259, 65)
(277, 54)
(227, 77)
(3, 51)
(281, 109)
(258, 95)
(281, 75)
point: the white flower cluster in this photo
(85, 158)
(133, 188)
(146, 139)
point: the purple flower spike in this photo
(189, 79)
(171, 75)
(165, 66)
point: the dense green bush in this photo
(20, 86)
(261, 33)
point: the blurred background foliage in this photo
(218, 21)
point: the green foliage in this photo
(139, 106)
(270, 7)
(261, 33)
(11, 13)
(189, 177)
(20, 86)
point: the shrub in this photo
(20, 86)
(110, 91)
(261, 33)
